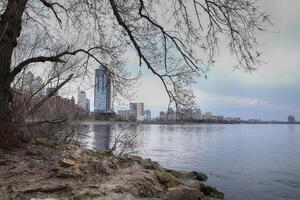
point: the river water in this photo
(247, 162)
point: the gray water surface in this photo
(247, 162)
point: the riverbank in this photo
(44, 169)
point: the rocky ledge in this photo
(46, 170)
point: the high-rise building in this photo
(148, 115)
(32, 84)
(102, 100)
(138, 110)
(82, 101)
(291, 119)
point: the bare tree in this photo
(176, 40)
(124, 139)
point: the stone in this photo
(198, 176)
(48, 188)
(208, 190)
(65, 173)
(189, 175)
(45, 142)
(168, 179)
(184, 193)
(67, 163)
(104, 153)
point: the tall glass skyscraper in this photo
(102, 100)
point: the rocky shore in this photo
(49, 171)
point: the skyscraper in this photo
(82, 101)
(138, 110)
(102, 100)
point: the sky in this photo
(272, 92)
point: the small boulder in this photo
(208, 190)
(45, 142)
(168, 179)
(183, 193)
(105, 153)
(67, 163)
(188, 175)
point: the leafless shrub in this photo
(124, 139)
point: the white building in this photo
(138, 111)
(82, 100)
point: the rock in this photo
(189, 175)
(65, 173)
(208, 190)
(150, 165)
(44, 199)
(33, 152)
(48, 188)
(94, 185)
(183, 193)
(104, 153)
(45, 142)
(67, 163)
(198, 176)
(168, 179)
(143, 189)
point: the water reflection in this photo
(102, 135)
(119, 138)
(245, 161)
(97, 136)
(292, 128)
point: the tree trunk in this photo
(10, 29)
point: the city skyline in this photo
(271, 92)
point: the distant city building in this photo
(232, 119)
(163, 116)
(102, 99)
(138, 111)
(254, 121)
(147, 115)
(126, 115)
(197, 115)
(291, 119)
(208, 116)
(31, 84)
(82, 101)
(171, 115)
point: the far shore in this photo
(89, 121)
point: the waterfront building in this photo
(171, 115)
(138, 111)
(147, 115)
(163, 116)
(232, 119)
(102, 94)
(291, 119)
(82, 100)
(32, 84)
(197, 115)
(126, 115)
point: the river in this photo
(247, 162)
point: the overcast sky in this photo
(271, 92)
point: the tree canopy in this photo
(177, 40)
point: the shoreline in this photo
(44, 169)
(179, 123)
